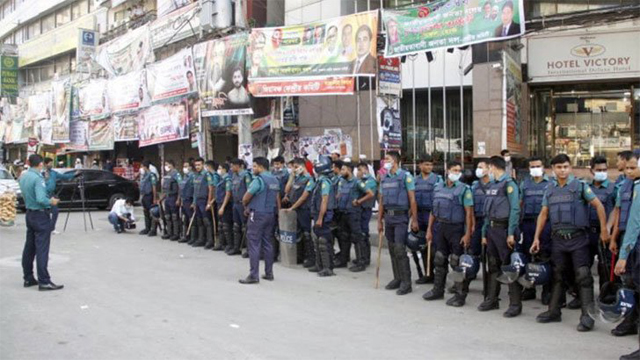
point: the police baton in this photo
(428, 269)
(190, 223)
(213, 218)
(377, 284)
(485, 280)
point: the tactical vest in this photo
(170, 186)
(239, 186)
(266, 201)
(533, 193)
(221, 189)
(369, 204)
(479, 190)
(394, 192)
(186, 187)
(146, 187)
(424, 191)
(347, 192)
(200, 186)
(297, 189)
(605, 195)
(316, 196)
(447, 207)
(496, 203)
(567, 208)
(283, 177)
(626, 198)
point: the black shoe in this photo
(248, 280)
(326, 272)
(633, 356)
(393, 284)
(513, 311)
(549, 316)
(30, 283)
(268, 277)
(357, 268)
(144, 232)
(152, 233)
(424, 280)
(433, 294)
(528, 294)
(314, 269)
(208, 246)
(218, 248)
(198, 244)
(586, 323)
(49, 287)
(119, 231)
(308, 263)
(489, 304)
(165, 237)
(404, 290)
(623, 329)
(245, 255)
(183, 240)
(174, 238)
(574, 304)
(234, 252)
(451, 289)
(228, 249)
(341, 264)
(457, 300)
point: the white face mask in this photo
(536, 172)
(388, 166)
(142, 171)
(507, 158)
(185, 170)
(167, 168)
(454, 177)
(220, 172)
(479, 173)
(600, 176)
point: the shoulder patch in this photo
(509, 189)
(324, 185)
(469, 196)
(588, 190)
(409, 180)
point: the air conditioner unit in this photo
(216, 14)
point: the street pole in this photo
(461, 111)
(358, 114)
(444, 103)
(413, 111)
(371, 107)
(432, 145)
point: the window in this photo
(18, 36)
(46, 72)
(34, 30)
(48, 23)
(63, 16)
(92, 6)
(75, 11)
(84, 7)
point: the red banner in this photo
(339, 86)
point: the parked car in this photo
(8, 183)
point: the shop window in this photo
(48, 23)
(18, 36)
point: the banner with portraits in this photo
(79, 135)
(450, 23)
(13, 117)
(60, 110)
(221, 73)
(128, 92)
(125, 127)
(127, 53)
(92, 99)
(344, 46)
(101, 134)
(314, 146)
(172, 77)
(389, 124)
(39, 106)
(163, 123)
(512, 102)
(44, 131)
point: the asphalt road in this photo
(134, 297)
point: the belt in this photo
(396, 212)
(569, 235)
(39, 210)
(445, 221)
(530, 217)
(499, 224)
(424, 209)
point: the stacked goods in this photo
(7, 208)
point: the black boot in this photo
(193, 235)
(439, 280)
(168, 228)
(208, 230)
(529, 294)
(515, 300)
(404, 268)
(359, 266)
(244, 249)
(309, 252)
(326, 252)
(147, 223)
(366, 250)
(459, 299)
(154, 227)
(228, 235)
(553, 314)
(344, 256)
(585, 283)
(237, 240)
(219, 240)
(493, 289)
(395, 283)
(317, 267)
(201, 234)
(628, 326)
(175, 219)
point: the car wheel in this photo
(114, 198)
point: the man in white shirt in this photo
(121, 213)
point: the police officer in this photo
(280, 171)
(185, 194)
(323, 203)
(212, 168)
(203, 191)
(298, 188)
(240, 180)
(170, 189)
(479, 191)
(148, 182)
(531, 192)
(426, 183)
(453, 210)
(225, 211)
(336, 167)
(262, 200)
(51, 178)
(502, 214)
(38, 219)
(397, 202)
(621, 163)
(566, 202)
(369, 186)
(349, 227)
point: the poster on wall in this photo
(44, 131)
(163, 123)
(512, 101)
(13, 118)
(128, 92)
(301, 87)
(39, 106)
(290, 145)
(222, 78)
(389, 79)
(174, 27)
(314, 146)
(92, 99)
(245, 152)
(261, 142)
(450, 23)
(79, 135)
(127, 53)
(172, 77)
(125, 127)
(101, 134)
(194, 121)
(344, 46)
(290, 119)
(389, 123)
(60, 110)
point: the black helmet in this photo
(323, 165)
(416, 241)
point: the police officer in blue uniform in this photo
(213, 241)
(240, 180)
(185, 194)
(369, 186)
(149, 192)
(203, 190)
(262, 199)
(502, 214)
(621, 163)
(531, 192)
(453, 210)
(336, 167)
(566, 203)
(280, 171)
(51, 178)
(397, 202)
(225, 212)
(323, 204)
(479, 191)
(38, 219)
(170, 189)
(299, 185)
(426, 183)
(349, 191)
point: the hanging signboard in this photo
(8, 76)
(176, 26)
(389, 79)
(79, 135)
(163, 123)
(512, 101)
(61, 110)
(172, 77)
(92, 99)
(302, 87)
(389, 124)
(128, 92)
(125, 127)
(101, 135)
(127, 53)
(86, 51)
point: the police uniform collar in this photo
(455, 184)
(603, 184)
(391, 174)
(428, 176)
(503, 177)
(570, 179)
(35, 171)
(544, 178)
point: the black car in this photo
(101, 189)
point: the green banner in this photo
(451, 23)
(8, 76)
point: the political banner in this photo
(167, 6)
(344, 46)
(101, 135)
(302, 87)
(512, 101)
(172, 77)
(60, 110)
(221, 74)
(79, 135)
(389, 124)
(44, 131)
(75, 102)
(125, 127)
(163, 123)
(290, 113)
(174, 27)
(127, 53)
(389, 79)
(86, 51)
(128, 92)
(245, 153)
(92, 99)
(39, 106)
(314, 146)
(194, 122)
(450, 23)
(14, 119)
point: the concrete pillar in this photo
(244, 129)
(487, 108)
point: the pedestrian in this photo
(240, 180)
(262, 200)
(506, 155)
(38, 218)
(369, 187)
(426, 182)
(453, 211)
(95, 165)
(298, 188)
(566, 204)
(397, 203)
(121, 213)
(128, 170)
(502, 215)
(334, 175)
(51, 178)
(225, 211)
(349, 191)
(148, 183)
(203, 192)
(186, 199)
(108, 166)
(170, 189)
(323, 204)
(78, 164)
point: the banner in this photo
(8, 76)
(314, 146)
(220, 68)
(194, 122)
(163, 123)
(127, 53)
(343, 46)
(86, 51)
(450, 23)
(167, 6)
(44, 131)
(389, 79)
(290, 113)
(174, 27)
(14, 118)
(302, 87)
(79, 135)
(128, 92)
(39, 106)
(100, 135)
(125, 127)
(60, 110)
(389, 124)
(512, 101)
(245, 152)
(172, 77)
(92, 99)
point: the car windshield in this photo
(5, 175)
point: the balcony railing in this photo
(121, 27)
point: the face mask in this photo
(299, 171)
(185, 170)
(167, 169)
(454, 177)
(388, 166)
(220, 173)
(507, 158)
(479, 173)
(600, 176)
(536, 172)
(142, 171)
